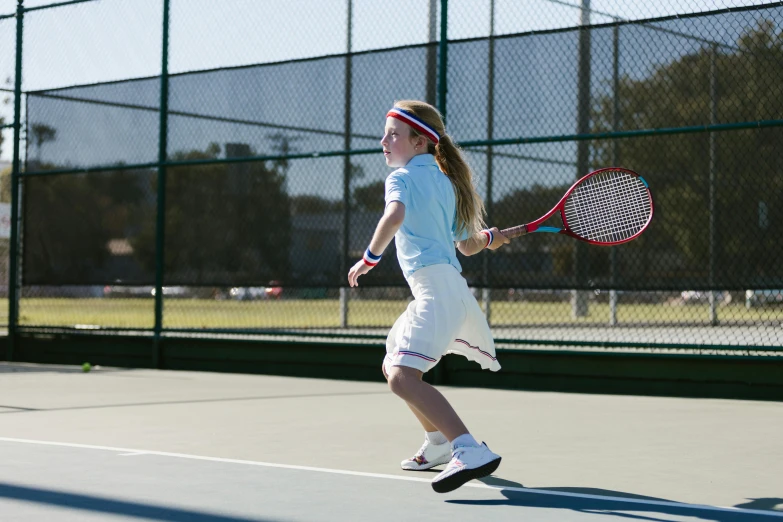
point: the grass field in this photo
(324, 313)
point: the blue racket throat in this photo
(551, 230)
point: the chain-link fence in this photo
(192, 167)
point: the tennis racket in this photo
(606, 207)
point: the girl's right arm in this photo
(389, 224)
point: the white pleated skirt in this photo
(444, 318)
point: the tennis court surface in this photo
(117, 444)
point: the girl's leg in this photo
(423, 398)
(425, 423)
(469, 459)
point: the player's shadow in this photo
(624, 505)
(767, 504)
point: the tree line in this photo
(237, 217)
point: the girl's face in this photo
(399, 146)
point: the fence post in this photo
(430, 88)
(160, 231)
(440, 372)
(486, 261)
(579, 303)
(615, 162)
(713, 167)
(13, 275)
(443, 52)
(346, 172)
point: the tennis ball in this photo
(86, 367)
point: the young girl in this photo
(431, 204)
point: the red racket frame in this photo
(534, 226)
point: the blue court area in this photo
(116, 445)
(61, 483)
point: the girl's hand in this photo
(356, 270)
(498, 239)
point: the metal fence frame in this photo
(581, 137)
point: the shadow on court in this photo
(95, 504)
(611, 507)
(763, 503)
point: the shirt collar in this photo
(421, 159)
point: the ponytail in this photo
(470, 208)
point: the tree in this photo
(282, 144)
(225, 223)
(370, 198)
(310, 204)
(69, 220)
(749, 167)
(41, 134)
(6, 100)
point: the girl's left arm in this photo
(481, 240)
(389, 224)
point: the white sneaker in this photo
(428, 456)
(467, 463)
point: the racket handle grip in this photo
(513, 232)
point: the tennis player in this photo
(431, 205)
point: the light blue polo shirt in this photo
(428, 233)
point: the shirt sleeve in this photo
(396, 189)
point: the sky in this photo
(106, 40)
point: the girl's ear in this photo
(420, 143)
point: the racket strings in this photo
(627, 214)
(607, 210)
(608, 207)
(619, 214)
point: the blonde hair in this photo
(470, 207)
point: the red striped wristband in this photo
(490, 237)
(370, 259)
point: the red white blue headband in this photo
(414, 122)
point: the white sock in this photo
(465, 439)
(435, 437)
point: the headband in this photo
(414, 122)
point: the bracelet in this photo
(370, 259)
(490, 237)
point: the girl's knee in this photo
(401, 379)
(396, 383)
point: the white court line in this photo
(703, 507)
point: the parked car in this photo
(763, 297)
(247, 293)
(701, 297)
(144, 291)
(172, 291)
(127, 291)
(274, 291)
